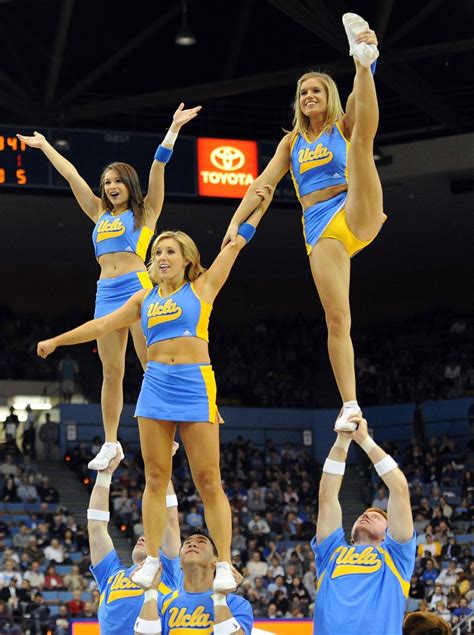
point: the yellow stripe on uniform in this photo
(191, 631)
(203, 321)
(295, 184)
(167, 602)
(144, 279)
(211, 390)
(391, 565)
(320, 579)
(146, 235)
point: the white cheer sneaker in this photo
(342, 423)
(224, 579)
(366, 54)
(144, 576)
(107, 453)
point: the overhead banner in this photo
(226, 167)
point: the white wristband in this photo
(98, 514)
(219, 599)
(225, 628)
(169, 139)
(342, 442)
(385, 465)
(150, 594)
(171, 500)
(334, 467)
(103, 479)
(368, 444)
(147, 626)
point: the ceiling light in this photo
(185, 36)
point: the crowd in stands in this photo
(425, 357)
(44, 555)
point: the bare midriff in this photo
(180, 350)
(119, 263)
(318, 196)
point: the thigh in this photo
(331, 268)
(156, 441)
(112, 347)
(201, 442)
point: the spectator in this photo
(74, 581)
(68, 372)
(87, 612)
(381, 499)
(34, 576)
(52, 579)
(437, 596)
(29, 434)
(463, 609)
(10, 425)
(429, 547)
(9, 493)
(27, 491)
(429, 573)
(60, 622)
(448, 576)
(21, 540)
(54, 551)
(38, 613)
(8, 467)
(46, 492)
(256, 567)
(76, 605)
(9, 571)
(417, 588)
(49, 436)
(194, 518)
(7, 625)
(442, 611)
(258, 525)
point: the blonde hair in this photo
(334, 109)
(189, 251)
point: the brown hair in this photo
(129, 177)
(378, 510)
(189, 251)
(425, 623)
(334, 108)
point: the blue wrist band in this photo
(163, 155)
(373, 67)
(247, 231)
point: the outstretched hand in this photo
(45, 348)
(230, 235)
(112, 466)
(35, 141)
(361, 432)
(182, 116)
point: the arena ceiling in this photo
(115, 65)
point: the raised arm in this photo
(100, 543)
(400, 517)
(276, 169)
(156, 180)
(88, 201)
(124, 316)
(211, 282)
(329, 510)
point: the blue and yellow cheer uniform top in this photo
(317, 164)
(180, 314)
(120, 599)
(361, 589)
(184, 613)
(116, 233)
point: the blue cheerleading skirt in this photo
(181, 392)
(112, 293)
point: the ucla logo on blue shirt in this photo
(181, 618)
(309, 159)
(349, 561)
(158, 313)
(107, 229)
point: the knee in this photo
(338, 321)
(208, 483)
(112, 372)
(157, 477)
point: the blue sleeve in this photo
(172, 574)
(325, 549)
(108, 566)
(242, 611)
(403, 554)
(373, 66)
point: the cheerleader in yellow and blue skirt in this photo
(125, 222)
(179, 387)
(330, 155)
